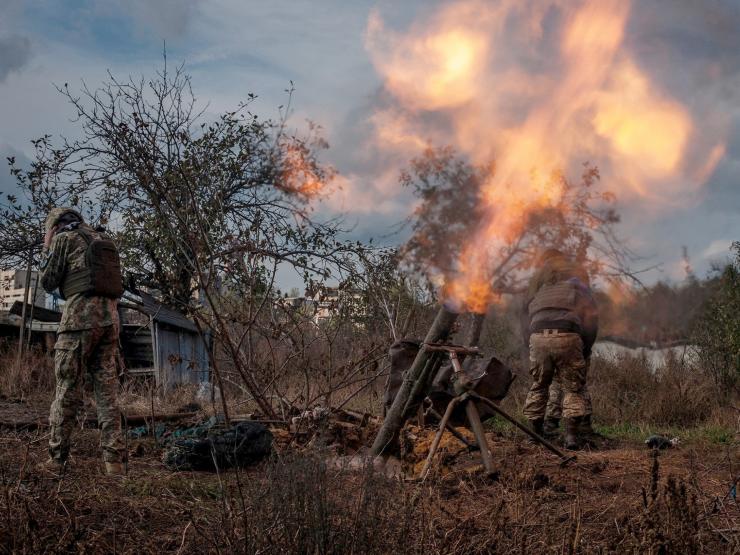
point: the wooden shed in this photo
(162, 343)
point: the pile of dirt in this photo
(416, 442)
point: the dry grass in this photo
(629, 390)
(627, 393)
(32, 375)
(615, 501)
(622, 501)
(632, 400)
(142, 399)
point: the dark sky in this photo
(689, 49)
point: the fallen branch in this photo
(29, 425)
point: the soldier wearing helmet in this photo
(82, 263)
(562, 326)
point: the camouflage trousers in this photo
(555, 397)
(557, 358)
(92, 354)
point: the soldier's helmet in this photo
(551, 255)
(56, 214)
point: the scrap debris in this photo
(661, 442)
(211, 444)
(342, 431)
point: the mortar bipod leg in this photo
(438, 437)
(474, 418)
(420, 415)
(564, 458)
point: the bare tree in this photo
(581, 222)
(394, 300)
(206, 208)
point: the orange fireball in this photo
(487, 70)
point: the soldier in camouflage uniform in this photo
(87, 343)
(563, 324)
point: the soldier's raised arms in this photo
(54, 265)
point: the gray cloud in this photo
(15, 52)
(164, 18)
(161, 19)
(237, 46)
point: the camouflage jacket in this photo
(583, 313)
(81, 312)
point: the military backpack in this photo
(101, 275)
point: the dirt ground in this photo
(621, 499)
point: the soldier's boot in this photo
(586, 428)
(551, 426)
(114, 469)
(572, 433)
(53, 467)
(537, 427)
(587, 431)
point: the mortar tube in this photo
(420, 384)
(441, 378)
(423, 385)
(476, 327)
(439, 331)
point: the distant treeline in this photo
(661, 313)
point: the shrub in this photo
(629, 390)
(718, 331)
(304, 505)
(670, 519)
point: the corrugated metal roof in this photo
(161, 313)
(39, 313)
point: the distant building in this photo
(303, 305)
(333, 302)
(616, 349)
(327, 304)
(12, 285)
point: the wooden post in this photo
(33, 305)
(26, 287)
